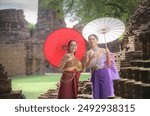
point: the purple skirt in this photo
(102, 84)
(102, 81)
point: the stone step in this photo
(145, 91)
(114, 97)
(3, 76)
(87, 88)
(145, 75)
(1, 68)
(131, 89)
(140, 63)
(53, 95)
(50, 94)
(133, 55)
(17, 94)
(5, 86)
(43, 97)
(136, 73)
(84, 96)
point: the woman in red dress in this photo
(71, 68)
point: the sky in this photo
(30, 8)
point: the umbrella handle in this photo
(106, 47)
(105, 44)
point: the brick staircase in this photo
(84, 91)
(6, 91)
(135, 81)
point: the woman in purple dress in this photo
(103, 70)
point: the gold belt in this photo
(96, 68)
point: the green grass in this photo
(33, 86)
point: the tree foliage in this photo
(87, 10)
(31, 26)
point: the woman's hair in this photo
(69, 45)
(94, 36)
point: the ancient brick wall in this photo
(138, 23)
(20, 52)
(23, 58)
(48, 20)
(12, 20)
(135, 65)
(13, 30)
(134, 45)
(13, 58)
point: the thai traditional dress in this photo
(102, 76)
(68, 88)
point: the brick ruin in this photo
(12, 20)
(14, 31)
(48, 20)
(5, 87)
(13, 26)
(136, 44)
(21, 52)
(135, 57)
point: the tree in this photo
(31, 28)
(87, 10)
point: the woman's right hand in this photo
(69, 57)
(92, 56)
(65, 59)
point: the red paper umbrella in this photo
(55, 45)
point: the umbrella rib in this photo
(112, 22)
(59, 35)
(115, 22)
(116, 25)
(59, 59)
(108, 21)
(75, 35)
(112, 34)
(116, 33)
(88, 31)
(117, 28)
(100, 23)
(91, 24)
(108, 38)
(89, 28)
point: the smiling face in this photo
(92, 40)
(72, 47)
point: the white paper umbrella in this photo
(107, 29)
